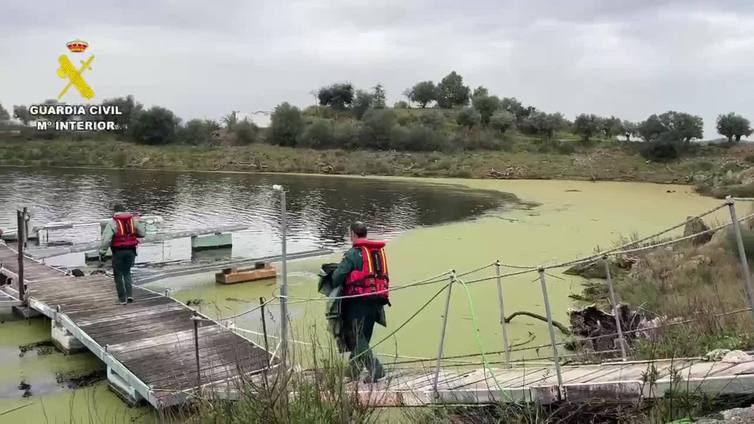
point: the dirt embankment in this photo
(711, 168)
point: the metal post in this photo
(264, 329)
(195, 318)
(442, 332)
(502, 314)
(26, 217)
(741, 251)
(550, 327)
(284, 286)
(616, 309)
(20, 236)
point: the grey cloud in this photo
(202, 59)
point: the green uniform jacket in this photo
(109, 232)
(352, 261)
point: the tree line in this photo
(447, 115)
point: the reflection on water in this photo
(320, 208)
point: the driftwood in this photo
(563, 329)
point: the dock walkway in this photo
(148, 346)
(618, 381)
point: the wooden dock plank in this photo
(152, 337)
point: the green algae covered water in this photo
(570, 220)
(462, 225)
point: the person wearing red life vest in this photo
(121, 235)
(363, 274)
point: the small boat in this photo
(260, 271)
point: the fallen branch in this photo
(563, 329)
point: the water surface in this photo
(319, 208)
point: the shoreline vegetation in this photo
(713, 170)
(442, 129)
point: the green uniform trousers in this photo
(123, 260)
(359, 317)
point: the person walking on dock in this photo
(363, 274)
(121, 235)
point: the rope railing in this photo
(522, 269)
(580, 339)
(449, 277)
(642, 240)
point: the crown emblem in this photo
(77, 46)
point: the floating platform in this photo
(261, 271)
(148, 275)
(156, 349)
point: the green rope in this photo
(476, 331)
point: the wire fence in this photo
(448, 278)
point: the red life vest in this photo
(373, 275)
(125, 231)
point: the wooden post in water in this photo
(20, 218)
(26, 226)
(442, 333)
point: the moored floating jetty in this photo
(156, 349)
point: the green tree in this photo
(587, 126)
(468, 117)
(346, 134)
(319, 134)
(651, 129)
(480, 92)
(376, 128)
(198, 131)
(286, 125)
(128, 106)
(682, 125)
(629, 129)
(337, 96)
(418, 138)
(732, 125)
(361, 103)
(423, 93)
(4, 115)
(671, 126)
(230, 120)
(378, 97)
(486, 105)
(502, 120)
(451, 91)
(155, 125)
(611, 127)
(433, 120)
(544, 124)
(56, 117)
(400, 104)
(21, 113)
(512, 105)
(245, 132)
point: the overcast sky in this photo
(204, 59)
